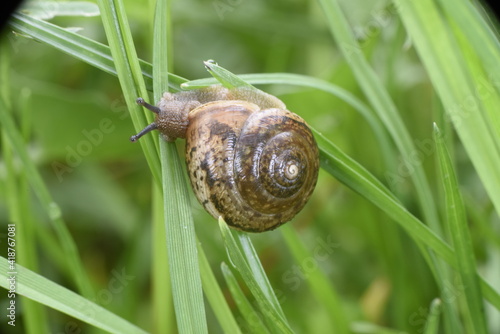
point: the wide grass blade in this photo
(44, 291)
(163, 315)
(462, 242)
(181, 244)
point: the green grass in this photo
(402, 100)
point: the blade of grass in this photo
(432, 324)
(163, 314)
(183, 261)
(73, 262)
(462, 243)
(226, 78)
(246, 265)
(161, 228)
(179, 225)
(229, 80)
(382, 104)
(44, 291)
(252, 318)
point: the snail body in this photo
(249, 159)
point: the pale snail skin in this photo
(249, 159)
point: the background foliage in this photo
(342, 258)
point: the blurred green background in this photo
(104, 189)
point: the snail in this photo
(249, 159)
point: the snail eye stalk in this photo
(147, 129)
(140, 101)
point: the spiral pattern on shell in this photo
(255, 168)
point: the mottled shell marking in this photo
(238, 157)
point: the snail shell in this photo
(254, 167)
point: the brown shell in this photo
(255, 168)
